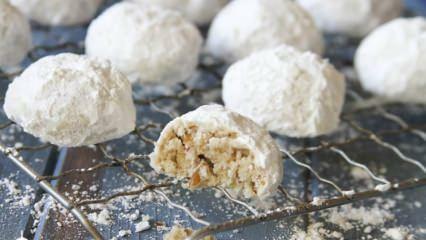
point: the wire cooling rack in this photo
(155, 108)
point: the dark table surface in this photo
(39, 218)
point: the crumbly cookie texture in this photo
(390, 61)
(290, 92)
(58, 12)
(71, 100)
(247, 26)
(200, 12)
(212, 146)
(147, 43)
(352, 17)
(181, 233)
(15, 35)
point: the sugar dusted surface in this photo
(15, 35)
(246, 26)
(58, 12)
(80, 101)
(287, 91)
(161, 45)
(242, 134)
(200, 12)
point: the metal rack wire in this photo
(148, 130)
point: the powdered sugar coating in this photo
(147, 43)
(287, 91)
(249, 135)
(390, 61)
(58, 12)
(200, 12)
(246, 26)
(352, 17)
(15, 35)
(71, 100)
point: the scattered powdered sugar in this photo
(36, 212)
(124, 233)
(359, 174)
(218, 194)
(316, 231)
(11, 186)
(135, 215)
(17, 197)
(368, 229)
(346, 216)
(397, 233)
(103, 217)
(142, 226)
(417, 204)
(21, 237)
(26, 200)
(317, 201)
(349, 193)
(93, 188)
(311, 234)
(383, 187)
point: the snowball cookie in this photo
(200, 12)
(213, 146)
(15, 35)
(246, 26)
(390, 62)
(287, 91)
(352, 17)
(71, 100)
(58, 12)
(147, 43)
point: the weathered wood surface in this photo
(15, 220)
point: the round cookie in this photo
(247, 26)
(352, 17)
(390, 62)
(58, 12)
(71, 100)
(287, 91)
(200, 12)
(15, 35)
(213, 146)
(147, 43)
